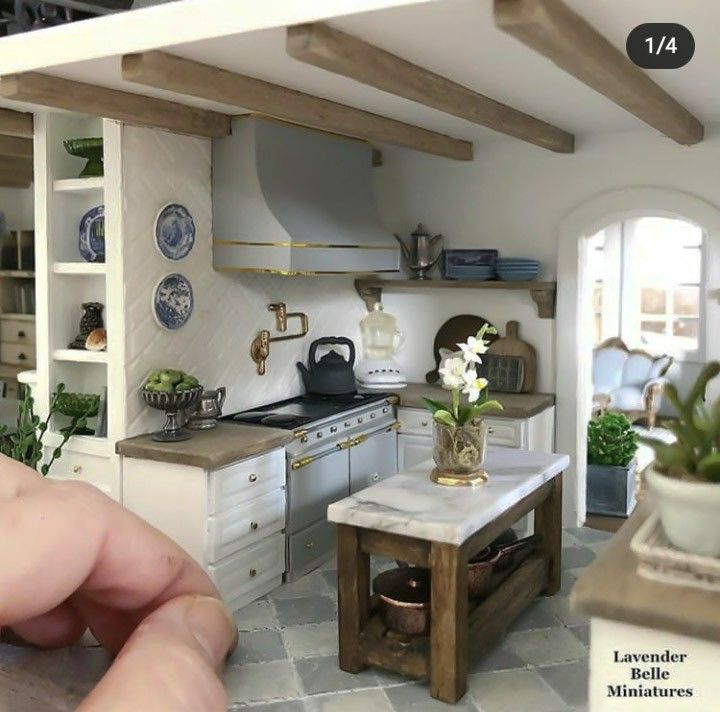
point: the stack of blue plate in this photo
(478, 273)
(517, 269)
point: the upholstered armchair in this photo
(630, 381)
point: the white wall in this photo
(17, 204)
(513, 196)
(159, 168)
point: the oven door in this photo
(373, 459)
(314, 482)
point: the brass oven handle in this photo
(395, 426)
(301, 463)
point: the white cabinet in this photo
(230, 520)
(412, 450)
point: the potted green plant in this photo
(25, 444)
(459, 432)
(611, 448)
(685, 476)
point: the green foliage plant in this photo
(611, 440)
(26, 443)
(696, 454)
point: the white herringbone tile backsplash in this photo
(160, 168)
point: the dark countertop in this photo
(516, 405)
(208, 449)
(611, 588)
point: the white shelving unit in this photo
(65, 282)
(80, 186)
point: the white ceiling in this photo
(457, 38)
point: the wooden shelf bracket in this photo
(370, 293)
(545, 300)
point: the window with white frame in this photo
(648, 286)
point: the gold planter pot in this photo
(459, 453)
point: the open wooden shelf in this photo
(79, 185)
(80, 356)
(79, 268)
(542, 293)
(17, 273)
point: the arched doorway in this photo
(573, 333)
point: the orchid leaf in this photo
(709, 467)
(433, 406)
(445, 417)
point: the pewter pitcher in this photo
(422, 252)
(209, 409)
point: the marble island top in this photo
(409, 503)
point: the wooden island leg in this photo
(548, 522)
(448, 623)
(353, 596)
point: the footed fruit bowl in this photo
(172, 402)
(90, 148)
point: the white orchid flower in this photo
(453, 372)
(473, 348)
(474, 386)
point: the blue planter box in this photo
(611, 490)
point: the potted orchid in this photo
(459, 433)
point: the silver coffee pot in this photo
(208, 410)
(422, 252)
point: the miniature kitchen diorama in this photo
(354, 429)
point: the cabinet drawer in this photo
(246, 569)
(310, 546)
(17, 331)
(245, 480)
(244, 525)
(18, 354)
(99, 471)
(415, 421)
(506, 433)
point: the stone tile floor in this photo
(287, 657)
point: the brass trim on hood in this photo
(305, 245)
(301, 273)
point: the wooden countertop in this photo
(208, 449)
(611, 588)
(516, 405)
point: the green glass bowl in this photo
(90, 148)
(75, 405)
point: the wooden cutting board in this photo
(451, 333)
(512, 345)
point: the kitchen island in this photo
(411, 519)
(635, 621)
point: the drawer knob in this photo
(253, 573)
(21, 334)
(310, 545)
(254, 526)
(253, 477)
(77, 469)
(491, 431)
(424, 423)
(22, 357)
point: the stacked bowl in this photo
(517, 269)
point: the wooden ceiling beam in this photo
(560, 34)
(322, 46)
(184, 76)
(15, 146)
(16, 123)
(59, 93)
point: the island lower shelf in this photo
(488, 619)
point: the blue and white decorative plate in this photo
(174, 231)
(91, 238)
(173, 301)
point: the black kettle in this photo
(332, 375)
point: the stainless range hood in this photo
(293, 200)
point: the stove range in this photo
(340, 445)
(300, 411)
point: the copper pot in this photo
(404, 595)
(486, 567)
